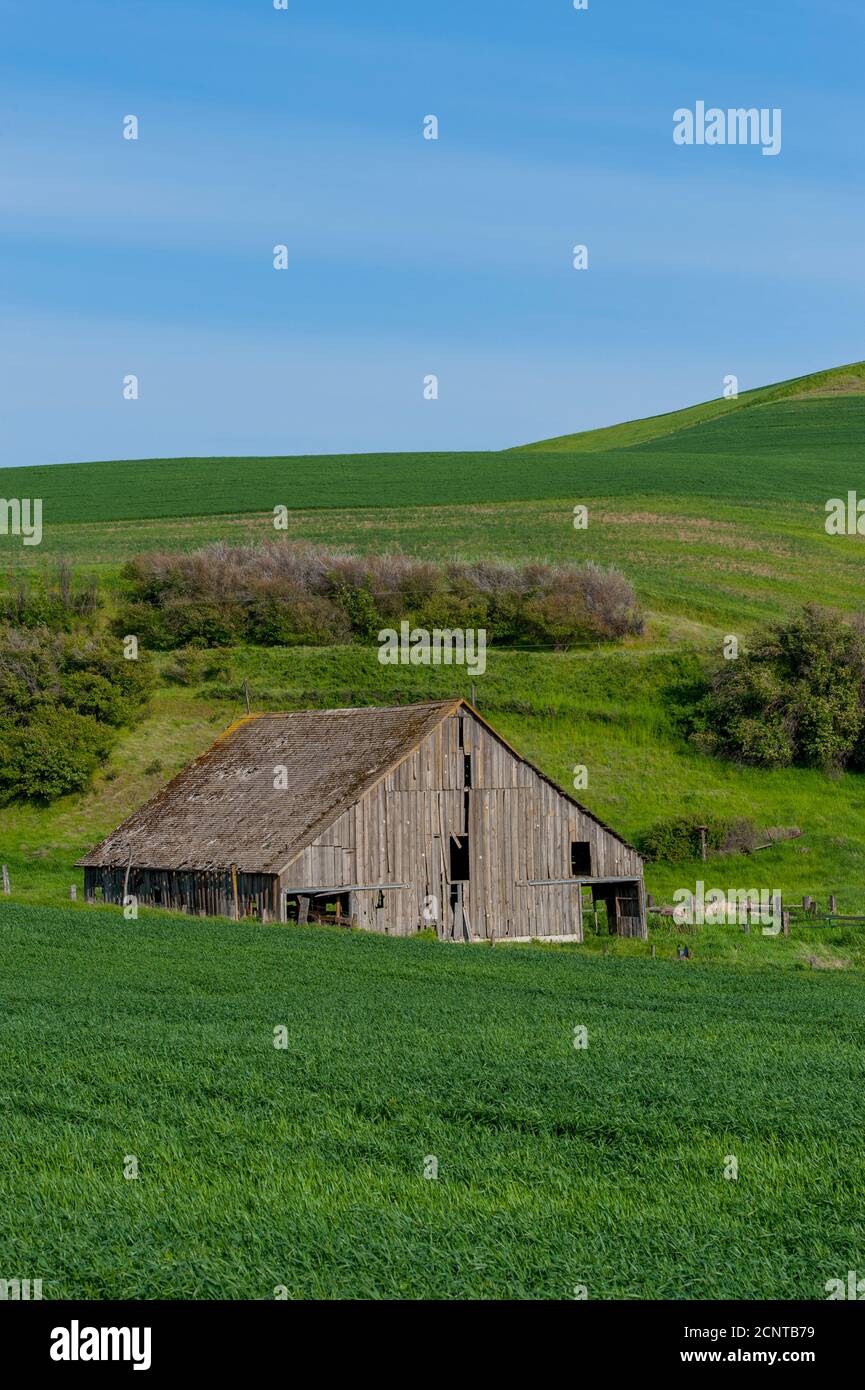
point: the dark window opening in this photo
(467, 769)
(459, 847)
(581, 859)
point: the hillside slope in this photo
(835, 381)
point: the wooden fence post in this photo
(6, 887)
(73, 892)
(832, 905)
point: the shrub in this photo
(41, 603)
(61, 700)
(557, 619)
(444, 610)
(51, 755)
(679, 838)
(796, 696)
(199, 623)
(360, 610)
(301, 621)
(740, 836)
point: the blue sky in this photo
(407, 256)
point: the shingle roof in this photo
(224, 809)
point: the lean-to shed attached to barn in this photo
(393, 819)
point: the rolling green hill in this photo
(836, 381)
(800, 441)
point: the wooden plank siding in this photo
(520, 829)
(200, 892)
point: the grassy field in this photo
(702, 574)
(303, 1167)
(714, 514)
(718, 523)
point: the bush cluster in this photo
(279, 594)
(679, 837)
(62, 700)
(795, 697)
(56, 604)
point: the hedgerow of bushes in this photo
(278, 594)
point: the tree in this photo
(796, 696)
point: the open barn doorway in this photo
(328, 908)
(623, 907)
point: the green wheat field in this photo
(300, 1171)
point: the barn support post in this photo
(126, 880)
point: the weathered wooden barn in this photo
(392, 819)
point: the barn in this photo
(389, 819)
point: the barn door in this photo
(458, 921)
(628, 919)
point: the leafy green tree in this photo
(51, 755)
(62, 697)
(795, 697)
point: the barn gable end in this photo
(463, 782)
